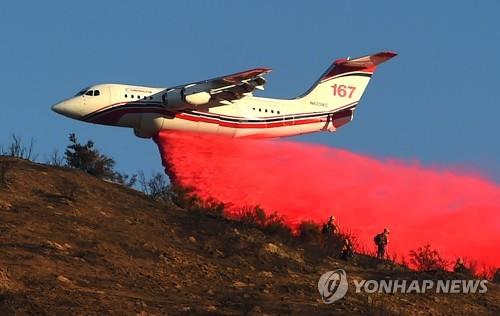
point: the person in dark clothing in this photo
(381, 240)
(346, 252)
(459, 266)
(330, 228)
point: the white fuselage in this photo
(144, 110)
(226, 105)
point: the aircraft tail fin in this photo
(344, 82)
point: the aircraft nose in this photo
(67, 108)
(58, 108)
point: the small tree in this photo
(85, 157)
(427, 259)
(155, 187)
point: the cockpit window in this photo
(88, 92)
(81, 92)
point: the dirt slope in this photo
(73, 244)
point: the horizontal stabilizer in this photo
(366, 64)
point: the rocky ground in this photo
(73, 244)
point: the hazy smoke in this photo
(456, 212)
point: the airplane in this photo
(226, 105)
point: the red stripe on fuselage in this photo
(112, 117)
(250, 125)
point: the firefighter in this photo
(330, 228)
(459, 266)
(347, 251)
(381, 240)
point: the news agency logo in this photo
(332, 286)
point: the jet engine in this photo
(198, 98)
(150, 124)
(177, 98)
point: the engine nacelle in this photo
(176, 98)
(141, 134)
(151, 124)
(198, 98)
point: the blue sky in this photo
(436, 102)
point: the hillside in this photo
(73, 244)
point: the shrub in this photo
(252, 216)
(481, 270)
(309, 231)
(272, 224)
(85, 157)
(184, 197)
(125, 179)
(275, 225)
(214, 207)
(155, 187)
(427, 259)
(18, 149)
(55, 159)
(68, 189)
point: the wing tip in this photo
(247, 74)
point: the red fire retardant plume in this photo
(457, 213)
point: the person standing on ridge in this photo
(381, 240)
(331, 236)
(330, 228)
(460, 266)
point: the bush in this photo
(309, 231)
(125, 179)
(55, 159)
(427, 259)
(85, 157)
(214, 207)
(18, 149)
(184, 197)
(272, 224)
(252, 216)
(155, 187)
(68, 189)
(275, 225)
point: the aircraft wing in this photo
(228, 88)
